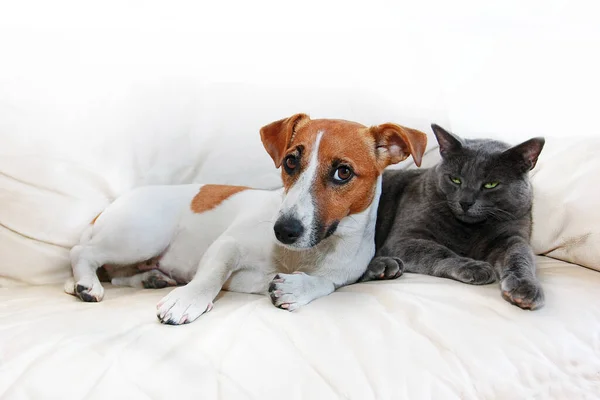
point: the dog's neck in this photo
(353, 243)
(361, 224)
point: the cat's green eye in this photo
(491, 185)
(455, 180)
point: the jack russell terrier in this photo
(297, 243)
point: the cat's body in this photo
(468, 218)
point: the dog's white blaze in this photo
(299, 202)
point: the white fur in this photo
(299, 202)
(232, 246)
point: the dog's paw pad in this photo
(89, 292)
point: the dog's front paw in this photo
(476, 272)
(383, 268)
(88, 290)
(526, 293)
(182, 306)
(286, 291)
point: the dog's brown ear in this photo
(278, 135)
(395, 143)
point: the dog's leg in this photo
(133, 229)
(86, 284)
(185, 304)
(290, 291)
(153, 279)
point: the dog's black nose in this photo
(465, 205)
(288, 230)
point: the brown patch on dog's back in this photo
(211, 196)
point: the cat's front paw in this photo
(383, 268)
(526, 293)
(476, 272)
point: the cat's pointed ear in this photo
(394, 143)
(278, 135)
(448, 142)
(525, 155)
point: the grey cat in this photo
(468, 218)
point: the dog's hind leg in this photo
(122, 236)
(86, 284)
(136, 227)
(74, 254)
(153, 279)
(118, 243)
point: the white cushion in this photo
(415, 337)
(566, 213)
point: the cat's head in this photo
(484, 178)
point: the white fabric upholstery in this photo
(417, 337)
(567, 194)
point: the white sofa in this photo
(416, 337)
(91, 110)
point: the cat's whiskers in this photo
(499, 214)
(437, 204)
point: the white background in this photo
(138, 91)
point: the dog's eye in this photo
(290, 162)
(343, 174)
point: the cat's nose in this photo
(465, 205)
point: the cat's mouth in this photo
(470, 219)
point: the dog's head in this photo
(330, 170)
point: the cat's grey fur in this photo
(428, 224)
